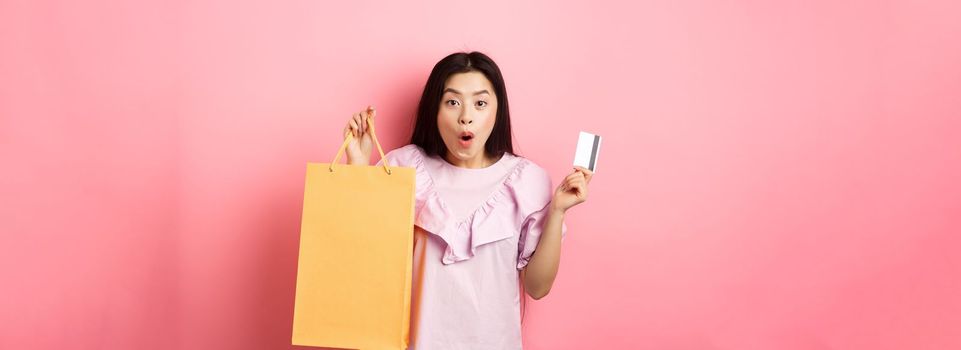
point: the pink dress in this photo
(475, 229)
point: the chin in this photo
(461, 153)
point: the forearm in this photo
(540, 272)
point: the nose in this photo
(465, 118)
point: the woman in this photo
(486, 219)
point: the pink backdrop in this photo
(774, 175)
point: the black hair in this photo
(427, 136)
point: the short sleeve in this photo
(531, 235)
(533, 191)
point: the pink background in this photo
(774, 175)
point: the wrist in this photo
(556, 210)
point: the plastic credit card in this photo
(588, 147)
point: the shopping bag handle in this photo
(348, 136)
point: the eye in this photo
(452, 102)
(481, 104)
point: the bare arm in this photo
(538, 276)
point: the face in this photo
(466, 117)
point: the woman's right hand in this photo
(359, 148)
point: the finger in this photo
(581, 183)
(353, 127)
(371, 113)
(577, 175)
(569, 184)
(581, 171)
(363, 122)
(364, 116)
(581, 188)
(587, 173)
(359, 121)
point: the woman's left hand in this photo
(573, 190)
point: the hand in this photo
(573, 190)
(359, 148)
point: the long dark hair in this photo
(427, 136)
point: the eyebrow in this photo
(459, 93)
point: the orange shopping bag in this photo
(354, 268)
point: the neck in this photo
(481, 161)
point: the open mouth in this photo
(466, 139)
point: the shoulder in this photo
(412, 156)
(409, 156)
(529, 173)
(531, 185)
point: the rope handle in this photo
(349, 136)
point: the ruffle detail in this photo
(499, 217)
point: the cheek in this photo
(489, 121)
(446, 119)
